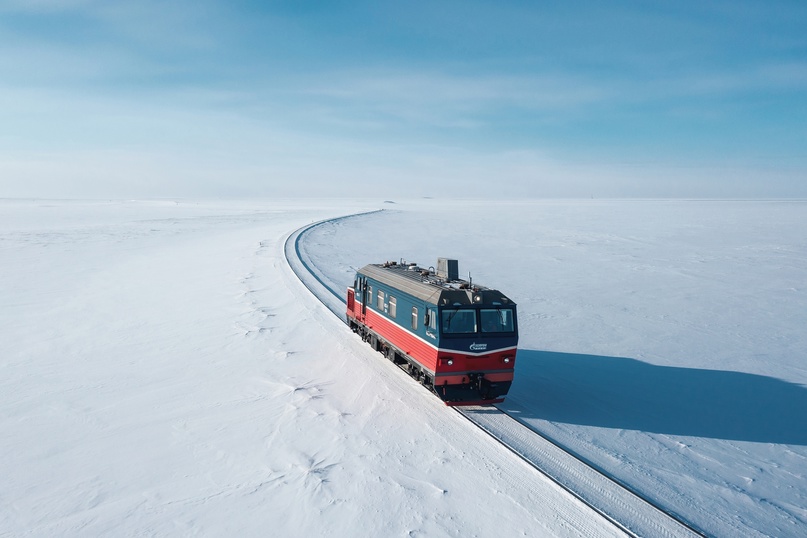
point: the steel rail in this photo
(546, 473)
(620, 483)
(539, 455)
(292, 246)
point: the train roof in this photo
(434, 287)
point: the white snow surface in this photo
(164, 372)
(663, 341)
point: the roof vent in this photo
(448, 269)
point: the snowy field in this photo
(165, 374)
(663, 341)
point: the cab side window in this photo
(431, 319)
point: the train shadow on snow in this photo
(624, 393)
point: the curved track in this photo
(629, 510)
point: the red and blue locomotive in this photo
(457, 338)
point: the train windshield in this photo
(459, 321)
(496, 320)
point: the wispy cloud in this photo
(422, 98)
(472, 91)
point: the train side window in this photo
(430, 319)
(380, 302)
(414, 318)
(369, 294)
(393, 306)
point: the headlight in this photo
(450, 362)
(506, 360)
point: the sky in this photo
(210, 98)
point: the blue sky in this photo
(506, 99)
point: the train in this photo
(457, 338)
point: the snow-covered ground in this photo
(664, 341)
(163, 372)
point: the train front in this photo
(477, 350)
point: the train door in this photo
(363, 286)
(351, 295)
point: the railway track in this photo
(629, 510)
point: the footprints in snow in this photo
(308, 472)
(257, 320)
(262, 294)
(290, 403)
